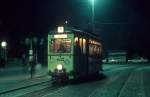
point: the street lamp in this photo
(4, 50)
(93, 16)
(3, 44)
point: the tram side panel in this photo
(94, 58)
(80, 58)
(87, 57)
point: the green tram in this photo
(73, 53)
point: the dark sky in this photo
(122, 24)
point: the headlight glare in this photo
(59, 66)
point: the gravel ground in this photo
(103, 88)
(134, 86)
(122, 81)
(146, 80)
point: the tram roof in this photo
(78, 31)
(72, 29)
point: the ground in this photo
(121, 80)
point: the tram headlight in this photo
(59, 67)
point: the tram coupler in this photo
(59, 76)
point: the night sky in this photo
(122, 24)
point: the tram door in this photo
(77, 57)
(80, 62)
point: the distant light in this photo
(60, 29)
(3, 43)
(66, 22)
(112, 60)
(30, 52)
(60, 36)
(93, 1)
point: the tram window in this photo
(84, 46)
(100, 50)
(60, 46)
(76, 39)
(81, 42)
(77, 48)
(90, 49)
(95, 49)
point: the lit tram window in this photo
(90, 41)
(94, 42)
(60, 36)
(94, 49)
(100, 50)
(81, 42)
(76, 39)
(84, 46)
(91, 47)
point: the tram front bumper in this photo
(59, 75)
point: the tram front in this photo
(60, 54)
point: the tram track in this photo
(22, 87)
(25, 89)
(42, 92)
(121, 85)
(72, 91)
(50, 89)
(46, 90)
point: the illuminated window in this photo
(60, 46)
(80, 42)
(90, 49)
(84, 46)
(60, 36)
(76, 39)
(90, 41)
(100, 50)
(95, 49)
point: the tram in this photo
(73, 53)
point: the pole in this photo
(93, 16)
(31, 59)
(5, 52)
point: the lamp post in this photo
(93, 16)
(4, 50)
(28, 42)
